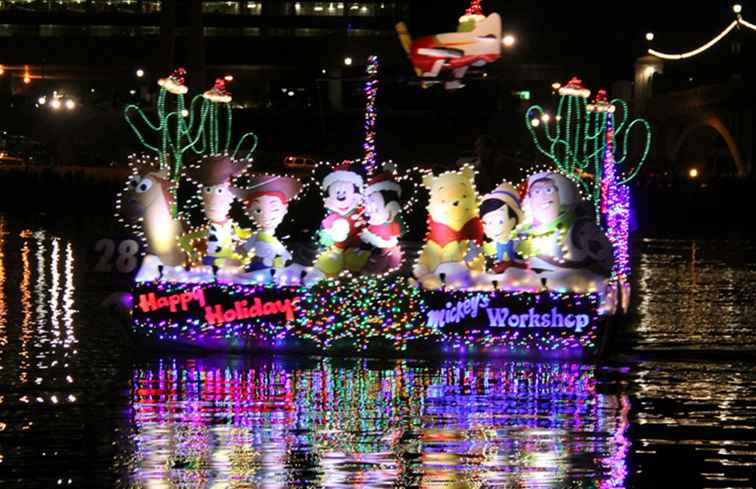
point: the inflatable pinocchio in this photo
(501, 212)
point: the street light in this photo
(693, 173)
(737, 8)
(509, 40)
(70, 104)
(27, 78)
(348, 61)
(55, 104)
(535, 122)
(649, 36)
(229, 78)
(140, 73)
(42, 100)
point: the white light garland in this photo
(690, 54)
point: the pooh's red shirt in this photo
(441, 234)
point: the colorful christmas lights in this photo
(181, 129)
(384, 314)
(371, 91)
(577, 138)
(615, 207)
(270, 423)
(356, 304)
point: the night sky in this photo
(609, 34)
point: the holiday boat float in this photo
(538, 268)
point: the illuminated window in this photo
(151, 6)
(368, 33)
(26, 5)
(19, 30)
(310, 32)
(221, 32)
(362, 9)
(254, 8)
(319, 8)
(251, 31)
(121, 6)
(114, 31)
(69, 5)
(221, 7)
(49, 30)
(279, 32)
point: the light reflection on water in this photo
(77, 410)
(696, 295)
(346, 424)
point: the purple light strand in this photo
(371, 91)
(616, 209)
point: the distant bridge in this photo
(682, 119)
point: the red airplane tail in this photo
(406, 40)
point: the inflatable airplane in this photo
(452, 53)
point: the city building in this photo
(261, 41)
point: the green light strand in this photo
(178, 151)
(577, 149)
(243, 138)
(160, 126)
(646, 147)
(229, 119)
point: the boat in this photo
(532, 268)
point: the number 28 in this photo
(125, 262)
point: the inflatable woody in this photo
(216, 244)
(266, 202)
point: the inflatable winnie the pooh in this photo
(455, 232)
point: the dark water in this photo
(675, 406)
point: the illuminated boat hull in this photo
(383, 317)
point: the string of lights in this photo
(615, 207)
(371, 91)
(739, 21)
(575, 138)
